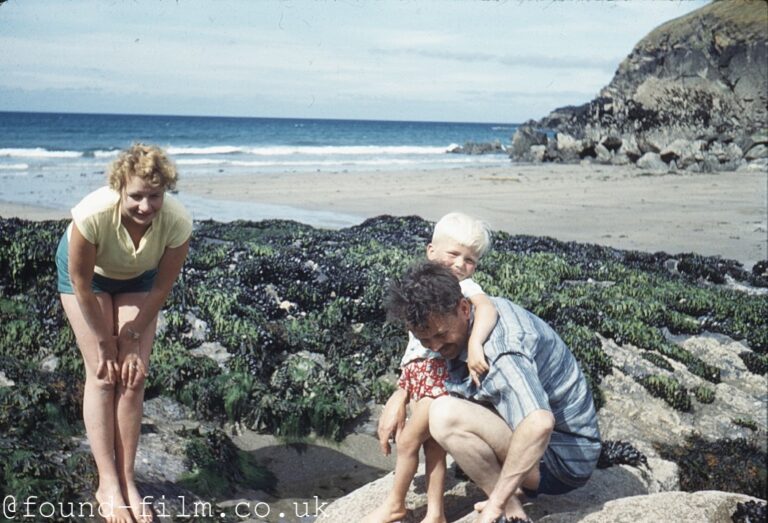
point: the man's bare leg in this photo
(478, 440)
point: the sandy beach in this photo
(721, 214)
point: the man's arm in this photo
(529, 441)
(392, 419)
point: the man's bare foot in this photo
(112, 506)
(429, 518)
(141, 509)
(514, 508)
(386, 514)
(480, 505)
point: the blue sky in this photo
(498, 61)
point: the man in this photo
(530, 424)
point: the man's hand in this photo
(476, 361)
(392, 419)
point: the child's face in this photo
(462, 260)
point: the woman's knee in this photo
(99, 385)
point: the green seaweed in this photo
(668, 389)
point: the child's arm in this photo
(485, 320)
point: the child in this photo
(458, 242)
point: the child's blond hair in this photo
(465, 230)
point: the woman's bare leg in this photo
(98, 411)
(129, 408)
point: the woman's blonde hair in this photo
(145, 161)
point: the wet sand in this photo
(723, 214)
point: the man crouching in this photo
(530, 424)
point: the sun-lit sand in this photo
(713, 214)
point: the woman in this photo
(116, 265)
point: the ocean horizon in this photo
(53, 159)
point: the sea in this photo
(53, 159)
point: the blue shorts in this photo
(141, 283)
(548, 484)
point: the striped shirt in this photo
(531, 368)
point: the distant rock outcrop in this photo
(694, 91)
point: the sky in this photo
(448, 60)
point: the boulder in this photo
(524, 138)
(757, 151)
(630, 147)
(537, 153)
(652, 162)
(460, 496)
(568, 148)
(602, 154)
(630, 413)
(683, 152)
(612, 142)
(725, 152)
(477, 148)
(680, 507)
(620, 159)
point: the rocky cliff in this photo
(693, 92)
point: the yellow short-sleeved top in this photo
(98, 219)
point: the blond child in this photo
(458, 242)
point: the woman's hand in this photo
(107, 367)
(132, 368)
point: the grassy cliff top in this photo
(739, 20)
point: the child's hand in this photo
(476, 362)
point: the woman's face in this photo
(140, 201)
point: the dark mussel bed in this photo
(299, 310)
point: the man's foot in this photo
(112, 506)
(514, 510)
(428, 518)
(386, 514)
(141, 509)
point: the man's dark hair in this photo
(423, 289)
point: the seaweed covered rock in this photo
(301, 343)
(731, 465)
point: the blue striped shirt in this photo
(531, 368)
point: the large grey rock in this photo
(681, 507)
(700, 76)
(683, 152)
(568, 147)
(460, 496)
(758, 151)
(524, 138)
(630, 413)
(652, 163)
(602, 154)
